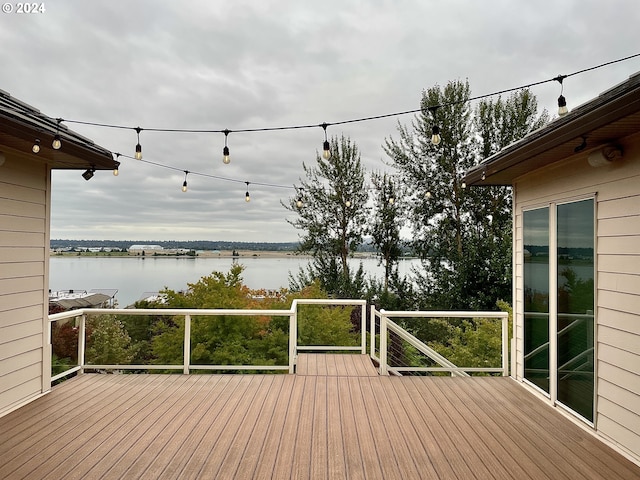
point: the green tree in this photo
(108, 343)
(333, 215)
(462, 235)
(386, 223)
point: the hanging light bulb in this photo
(562, 106)
(36, 146)
(484, 175)
(435, 130)
(184, 184)
(326, 147)
(348, 203)
(392, 200)
(427, 195)
(225, 151)
(247, 198)
(299, 203)
(562, 102)
(57, 143)
(138, 154)
(464, 185)
(115, 169)
(435, 135)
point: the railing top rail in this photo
(445, 313)
(167, 311)
(327, 301)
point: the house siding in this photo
(617, 278)
(23, 279)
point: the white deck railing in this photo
(380, 326)
(379, 335)
(186, 366)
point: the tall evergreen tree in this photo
(332, 216)
(386, 223)
(463, 235)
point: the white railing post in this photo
(363, 327)
(383, 343)
(505, 345)
(293, 336)
(82, 328)
(187, 344)
(372, 334)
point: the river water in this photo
(133, 276)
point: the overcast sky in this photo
(232, 64)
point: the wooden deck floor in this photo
(335, 365)
(298, 426)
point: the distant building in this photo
(138, 249)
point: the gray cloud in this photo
(244, 64)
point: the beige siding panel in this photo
(619, 395)
(23, 194)
(619, 207)
(629, 245)
(619, 264)
(20, 393)
(31, 357)
(622, 340)
(618, 376)
(621, 226)
(619, 302)
(20, 285)
(22, 224)
(24, 209)
(19, 300)
(629, 322)
(619, 282)
(619, 414)
(623, 188)
(20, 330)
(17, 270)
(628, 439)
(16, 347)
(19, 239)
(11, 317)
(25, 174)
(20, 374)
(620, 358)
(22, 254)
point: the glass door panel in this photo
(536, 297)
(575, 264)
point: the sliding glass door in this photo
(558, 260)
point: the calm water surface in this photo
(132, 276)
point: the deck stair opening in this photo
(335, 365)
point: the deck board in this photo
(298, 426)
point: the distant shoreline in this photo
(240, 254)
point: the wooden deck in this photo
(298, 426)
(335, 365)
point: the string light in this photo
(184, 185)
(247, 198)
(36, 146)
(427, 195)
(138, 154)
(435, 131)
(326, 148)
(57, 143)
(116, 166)
(347, 203)
(299, 202)
(225, 150)
(562, 102)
